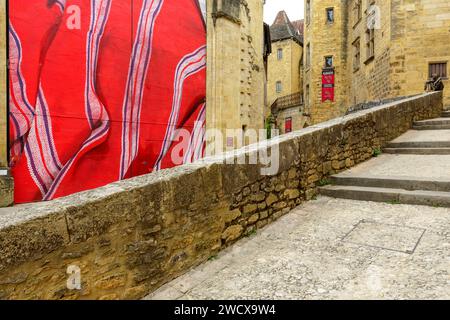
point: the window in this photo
(280, 54)
(279, 87)
(288, 125)
(370, 43)
(439, 69)
(357, 54)
(357, 11)
(308, 11)
(329, 62)
(308, 55)
(307, 102)
(330, 15)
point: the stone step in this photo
(438, 121)
(421, 151)
(432, 127)
(394, 196)
(406, 183)
(419, 144)
(446, 114)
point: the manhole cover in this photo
(385, 236)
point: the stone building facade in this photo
(236, 76)
(284, 64)
(377, 49)
(285, 73)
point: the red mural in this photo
(99, 90)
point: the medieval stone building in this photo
(285, 74)
(365, 50)
(236, 75)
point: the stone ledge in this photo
(131, 237)
(6, 188)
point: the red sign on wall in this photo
(328, 85)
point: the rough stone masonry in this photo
(131, 237)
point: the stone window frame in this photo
(356, 54)
(307, 95)
(308, 12)
(370, 45)
(279, 86)
(308, 56)
(326, 15)
(325, 61)
(370, 35)
(357, 12)
(444, 63)
(280, 54)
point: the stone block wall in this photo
(422, 30)
(130, 237)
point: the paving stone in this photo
(306, 255)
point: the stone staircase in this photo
(414, 169)
(393, 190)
(438, 147)
(442, 123)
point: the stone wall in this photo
(421, 37)
(371, 81)
(131, 237)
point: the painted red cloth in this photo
(102, 102)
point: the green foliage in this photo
(212, 258)
(324, 182)
(251, 233)
(376, 152)
(268, 126)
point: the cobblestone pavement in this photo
(331, 249)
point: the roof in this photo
(299, 26)
(282, 29)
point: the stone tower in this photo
(235, 69)
(325, 51)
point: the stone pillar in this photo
(6, 182)
(235, 95)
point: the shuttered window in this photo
(440, 69)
